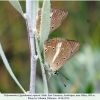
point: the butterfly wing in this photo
(74, 47)
(63, 55)
(57, 51)
(57, 16)
(38, 21)
(49, 50)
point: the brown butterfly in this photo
(57, 52)
(56, 15)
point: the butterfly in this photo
(56, 15)
(57, 52)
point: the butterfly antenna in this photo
(63, 75)
(62, 80)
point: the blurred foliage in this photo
(83, 70)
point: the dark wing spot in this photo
(71, 51)
(64, 58)
(57, 63)
(52, 27)
(46, 50)
(53, 48)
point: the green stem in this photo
(42, 66)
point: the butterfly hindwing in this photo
(74, 47)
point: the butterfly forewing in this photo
(56, 15)
(56, 51)
(49, 50)
(63, 55)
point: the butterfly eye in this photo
(56, 72)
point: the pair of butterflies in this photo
(57, 51)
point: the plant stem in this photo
(42, 66)
(30, 22)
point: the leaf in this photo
(42, 66)
(9, 68)
(45, 23)
(17, 6)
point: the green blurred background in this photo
(83, 70)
